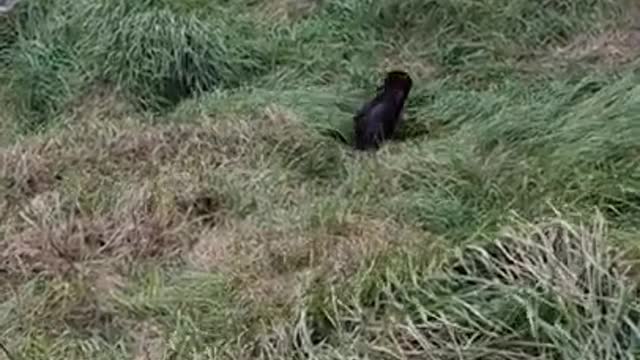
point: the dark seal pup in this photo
(377, 120)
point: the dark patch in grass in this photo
(624, 208)
(204, 207)
(336, 135)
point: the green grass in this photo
(174, 182)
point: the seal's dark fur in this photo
(377, 120)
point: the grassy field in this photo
(173, 186)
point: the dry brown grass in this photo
(129, 192)
(50, 239)
(610, 48)
(126, 150)
(277, 265)
(99, 103)
(406, 57)
(149, 344)
(100, 195)
(84, 205)
(286, 10)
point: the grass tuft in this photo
(549, 290)
(163, 57)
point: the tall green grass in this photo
(469, 157)
(482, 140)
(551, 290)
(157, 54)
(162, 52)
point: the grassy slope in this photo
(168, 189)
